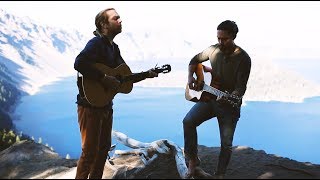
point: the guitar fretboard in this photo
(164, 69)
(214, 91)
(133, 77)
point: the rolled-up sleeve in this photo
(202, 56)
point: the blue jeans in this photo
(201, 112)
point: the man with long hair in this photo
(96, 122)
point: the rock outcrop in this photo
(31, 160)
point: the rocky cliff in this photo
(30, 160)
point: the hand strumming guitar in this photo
(195, 84)
(110, 82)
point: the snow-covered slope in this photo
(37, 55)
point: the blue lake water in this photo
(148, 114)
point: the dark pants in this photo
(203, 111)
(95, 128)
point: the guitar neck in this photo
(134, 77)
(214, 91)
(141, 76)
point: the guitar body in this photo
(196, 96)
(96, 94)
(209, 92)
(99, 96)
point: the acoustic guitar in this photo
(207, 92)
(195, 96)
(98, 96)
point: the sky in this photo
(287, 29)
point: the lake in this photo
(148, 114)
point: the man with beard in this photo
(230, 69)
(95, 123)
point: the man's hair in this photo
(101, 17)
(229, 26)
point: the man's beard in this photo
(119, 30)
(116, 31)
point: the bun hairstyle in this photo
(96, 33)
(229, 26)
(101, 18)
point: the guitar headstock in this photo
(163, 69)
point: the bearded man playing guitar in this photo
(104, 73)
(230, 69)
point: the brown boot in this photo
(201, 174)
(192, 163)
(218, 176)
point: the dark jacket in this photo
(97, 50)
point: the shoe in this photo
(197, 163)
(218, 176)
(189, 176)
(199, 173)
(191, 169)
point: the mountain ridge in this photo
(36, 55)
